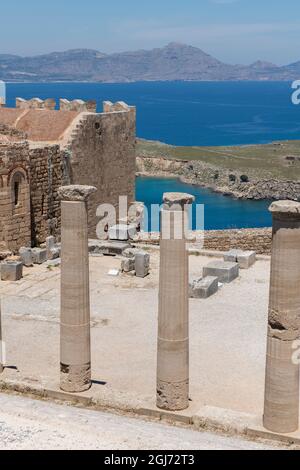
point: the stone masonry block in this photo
(11, 270)
(53, 251)
(39, 255)
(203, 288)
(245, 259)
(232, 256)
(131, 252)
(226, 272)
(118, 232)
(108, 248)
(122, 232)
(128, 265)
(142, 264)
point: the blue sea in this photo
(191, 113)
(220, 211)
(194, 113)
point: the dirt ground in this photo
(227, 332)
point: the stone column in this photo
(281, 410)
(173, 316)
(75, 349)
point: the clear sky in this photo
(235, 31)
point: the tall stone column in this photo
(173, 316)
(75, 349)
(281, 410)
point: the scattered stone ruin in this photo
(42, 148)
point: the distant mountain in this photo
(173, 62)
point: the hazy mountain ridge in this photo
(173, 62)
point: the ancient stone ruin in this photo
(281, 412)
(56, 168)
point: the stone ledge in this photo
(207, 418)
(259, 432)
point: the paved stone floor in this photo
(227, 332)
(35, 425)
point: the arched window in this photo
(16, 187)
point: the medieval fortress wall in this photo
(42, 148)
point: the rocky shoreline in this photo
(241, 185)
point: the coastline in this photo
(231, 177)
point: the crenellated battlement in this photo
(119, 106)
(36, 103)
(79, 106)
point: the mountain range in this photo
(172, 62)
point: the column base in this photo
(172, 396)
(75, 378)
(281, 413)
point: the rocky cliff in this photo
(232, 183)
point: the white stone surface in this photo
(227, 332)
(27, 424)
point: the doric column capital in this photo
(177, 201)
(288, 208)
(76, 193)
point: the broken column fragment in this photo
(204, 288)
(173, 316)
(142, 264)
(39, 255)
(128, 265)
(281, 409)
(75, 348)
(53, 251)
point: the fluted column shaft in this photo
(173, 316)
(75, 345)
(281, 409)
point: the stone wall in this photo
(14, 196)
(259, 240)
(47, 175)
(35, 103)
(12, 132)
(102, 154)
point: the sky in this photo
(234, 31)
